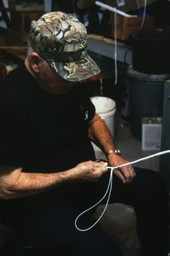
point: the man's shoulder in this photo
(17, 74)
(16, 83)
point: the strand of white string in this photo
(115, 46)
(144, 14)
(109, 189)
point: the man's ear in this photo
(35, 61)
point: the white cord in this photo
(141, 159)
(112, 9)
(109, 189)
(115, 51)
(144, 14)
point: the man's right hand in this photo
(90, 171)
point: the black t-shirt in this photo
(42, 132)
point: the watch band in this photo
(113, 151)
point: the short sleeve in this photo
(87, 108)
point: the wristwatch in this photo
(113, 151)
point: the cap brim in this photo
(78, 70)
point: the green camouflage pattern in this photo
(61, 40)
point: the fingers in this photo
(100, 167)
(118, 173)
(90, 171)
(100, 164)
(126, 174)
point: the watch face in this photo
(117, 151)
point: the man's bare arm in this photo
(15, 183)
(99, 133)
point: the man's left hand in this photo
(126, 173)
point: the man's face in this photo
(52, 82)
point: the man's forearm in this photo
(98, 131)
(15, 183)
(100, 134)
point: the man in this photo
(48, 173)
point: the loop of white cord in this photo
(109, 189)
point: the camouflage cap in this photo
(61, 40)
